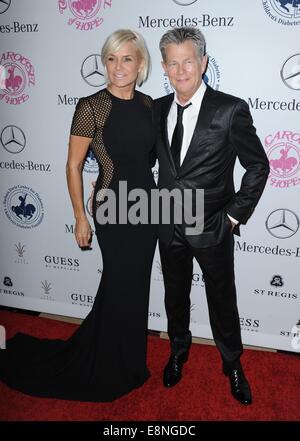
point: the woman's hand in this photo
(83, 233)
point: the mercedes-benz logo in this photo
(4, 5)
(184, 2)
(290, 72)
(13, 139)
(91, 72)
(282, 223)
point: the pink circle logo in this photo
(284, 158)
(17, 76)
(84, 12)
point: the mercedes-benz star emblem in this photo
(290, 72)
(91, 72)
(13, 139)
(184, 2)
(282, 223)
(4, 5)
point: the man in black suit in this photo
(202, 132)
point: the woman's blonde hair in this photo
(117, 39)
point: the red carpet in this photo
(202, 395)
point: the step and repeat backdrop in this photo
(50, 57)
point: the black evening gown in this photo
(106, 356)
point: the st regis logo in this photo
(284, 157)
(84, 13)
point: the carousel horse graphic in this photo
(13, 82)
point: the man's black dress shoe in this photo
(240, 388)
(173, 369)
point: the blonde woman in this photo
(106, 356)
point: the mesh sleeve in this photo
(83, 123)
